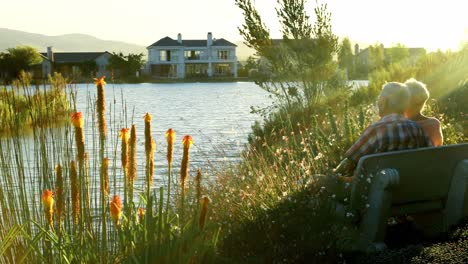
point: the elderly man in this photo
(392, 132)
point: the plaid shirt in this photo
(392, 132)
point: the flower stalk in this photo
(48, 202)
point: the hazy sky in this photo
(428, 23)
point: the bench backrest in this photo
(425, 174)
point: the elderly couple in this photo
(402, 125)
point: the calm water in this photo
(216, 115)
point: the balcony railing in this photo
(225, 58)
(197, 57)
(166, 59)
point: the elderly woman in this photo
(418, 97)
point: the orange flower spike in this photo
(141, 214)
(48, 199)
(77, 119)
(48, 202)
(148, 117)
(170, 135)
(100, 81)
(124, 134)
(204, 210)
(187, 141)
(116, 209)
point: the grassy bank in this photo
(269, 206)
(23, 106)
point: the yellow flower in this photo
(77, 119)
(116, 209)
(148, 117)
(99, 81)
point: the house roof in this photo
(169, 42)
(223, 42)
(74, 57)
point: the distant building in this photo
(75, 64)
(170, 58)
(362, 56)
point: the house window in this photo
(164, 55)
(222, 54)
(192, 54)
(222, 69)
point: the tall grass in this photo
(24, 106)
(61, 189)
(272, 207)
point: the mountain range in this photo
(80, 43)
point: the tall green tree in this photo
(19, 59)
(397, 53)
(376, 57)
(125, 66)
(301, 64)
(346, 58)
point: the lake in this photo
(216, 115)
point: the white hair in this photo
(397, 96)
(418, 92)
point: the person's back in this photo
(433, 130)
(418, 97)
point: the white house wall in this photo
(208, 55)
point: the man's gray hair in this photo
(418, 91)
(397, 96)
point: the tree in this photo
(376, 57)
(19, 59)
(346, 57)
(397, 53)
(125, 66)
(299, 65)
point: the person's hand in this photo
(345, 178)
(344, 167)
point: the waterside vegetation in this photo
(266, 209)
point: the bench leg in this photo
(374, 221)
(457, 197)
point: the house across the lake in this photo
(75, 64)
(178, 58)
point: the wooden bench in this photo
(430, 181)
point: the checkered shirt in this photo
(391, 133)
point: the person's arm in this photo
(345, 167)
(438, 137)
(364, 145)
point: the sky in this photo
(431, 24)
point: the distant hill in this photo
(69, 42)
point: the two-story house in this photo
(170, 58)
